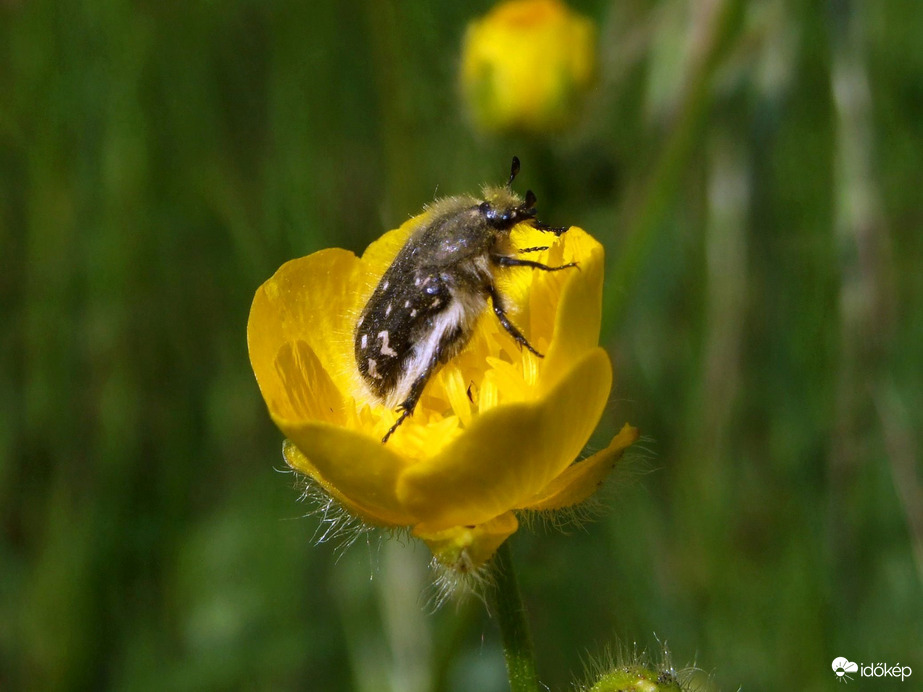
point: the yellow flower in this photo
(496, 429)
(526, 66)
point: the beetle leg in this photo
(505, 261)
(505, 321)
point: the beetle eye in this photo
(484, 207)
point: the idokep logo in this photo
(842, 667)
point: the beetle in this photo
(423, 311)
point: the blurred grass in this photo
(754, 172)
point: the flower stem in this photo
(517, 642)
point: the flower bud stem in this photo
(511, 614)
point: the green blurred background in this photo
(754, 171)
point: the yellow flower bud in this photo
(638, 678)
(527, 65)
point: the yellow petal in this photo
(465, 548)
(297, 461)
(299, 388)
(510, 453)
(351, 466)
(579, 310)
(307, 300)
(580, 480)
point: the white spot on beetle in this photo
(388, 310)
(417, 281)
(373, 369)
(436, 303)
(384, 286)
(406, 303)
(413, 313)
(386, 350)
(365, 340)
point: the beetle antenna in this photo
(514, 170)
